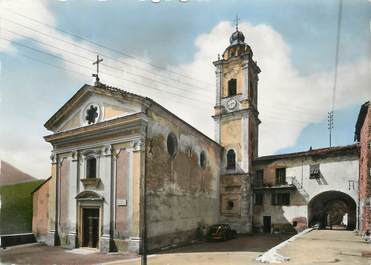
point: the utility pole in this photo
(330, 119)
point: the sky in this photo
(165, 51)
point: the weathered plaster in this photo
(339, 172)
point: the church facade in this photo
(113, 153)
(125, 169)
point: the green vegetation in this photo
(16, 207)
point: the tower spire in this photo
(236, 22)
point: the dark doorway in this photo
(267, 224)
(90, 227)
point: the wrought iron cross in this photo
(236, 22)
(97, 74)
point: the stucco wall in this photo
(40, 214)
(232, 70)
(181, 195)
(338, 173)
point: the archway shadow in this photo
(249, 243)
(328, 208)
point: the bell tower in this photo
(236, 129)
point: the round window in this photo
(172, 144)
(203, 159)
(90, 114)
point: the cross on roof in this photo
(236, 21)
(97, 62)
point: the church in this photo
(124, 169)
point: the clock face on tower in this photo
(231, 104)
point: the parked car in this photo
(221, 232)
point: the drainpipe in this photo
(57, 199)
(112, 202)
(144, 202)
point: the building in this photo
(106, 143)
(40, 213)
(297, 190)
(237, 122)
(363, 137)
(124, 168)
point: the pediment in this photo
(91, 105)
(89, 195)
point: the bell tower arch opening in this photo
(332, 210)
(232, 87)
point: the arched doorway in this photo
(332, 210)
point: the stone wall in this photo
(182, 194)
(364, 173)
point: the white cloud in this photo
(281, 87)
(287, 101)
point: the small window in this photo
(259, 175)
(231, 159)
(91, 167)
(281, 198)
(314, 171)
(280, 176)
(203, 159)
(232, 87)
(258, 199)
(172, 144)
(230, 205)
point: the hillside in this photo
(16, 207)
(11, 175)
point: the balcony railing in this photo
(291, 183)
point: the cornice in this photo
(119, 125)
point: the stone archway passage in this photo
(332, 209)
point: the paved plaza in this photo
(315, 247)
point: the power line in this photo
(331, 113)
(53, 65)
(270, 116)
(191, 86)
(299, 108)
(108, 48)
(117, 77)
(337, 53)
(109, 66)
(297, 112)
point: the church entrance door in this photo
(90, 227)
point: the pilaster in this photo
(105, 172)
(50, 240)
(245, 125)
(73, 188)
(218, 74)
(245, 71)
